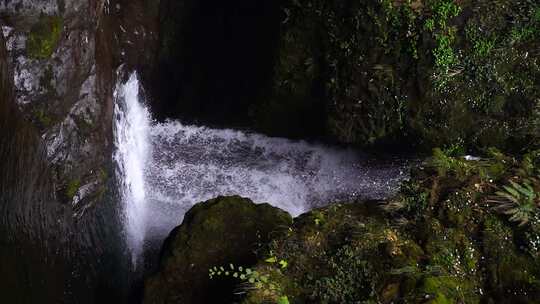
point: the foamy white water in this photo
(131, 129)
(188, 164)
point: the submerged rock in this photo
(218, 232)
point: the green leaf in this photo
(523, 190)
(511, 190)
(271, 260)
(283, 300)
(283, 263)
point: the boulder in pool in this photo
(217, 232)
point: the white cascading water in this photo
(131, 129)
(189, 164)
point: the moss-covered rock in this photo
(217, 232)
(450, 236)
(460, 231)
(44, 37)
(340, 254)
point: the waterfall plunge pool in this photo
(165, 168)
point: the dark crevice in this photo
(215, 59)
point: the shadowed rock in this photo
(214, 233)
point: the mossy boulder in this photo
(351, 253)
(218, 232)
(449, 236)
(340, 254)
(460, 231)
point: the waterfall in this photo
(191, 164)
(165, 168)
(132, 150)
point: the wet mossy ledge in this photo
(461, 230)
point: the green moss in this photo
(215, 234)
(44, 37)
(45, 120)
(72, 188)
(439, 240)
(446, 290)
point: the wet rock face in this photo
(26, 186)
(63, 55)
(29, 7)
(217, 232)
(59, 224)
(52, 49)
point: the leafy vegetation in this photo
(428, 73)
(520, 201)
(270, 290)
(450, 232)
(460, 75)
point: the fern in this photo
(519, 201)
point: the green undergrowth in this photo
(461, 230)
(429, 73)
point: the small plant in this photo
(446, 165)
(262, 282)
(445, 57)
(530, 165)
(519, 201)
(430, 25)
(351, 279)
(444, 10)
